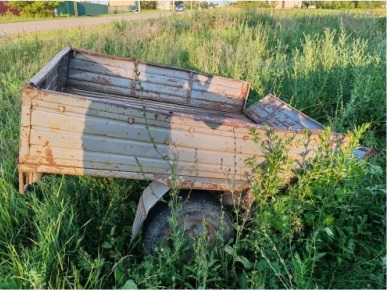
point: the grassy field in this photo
(326, 231)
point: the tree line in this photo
(46, 8)
(316, 4)
(343, 4)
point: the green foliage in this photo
(34, 8)
(326, 231)
(148, 5)
(315, 231)
(344, 4)
(336, 4)
(254, 4)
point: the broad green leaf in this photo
(129, 284)
(229, 250)
(244, 261)
(329, 231)
(318, 256)
(106, 245)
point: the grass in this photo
(10, 18)
(326, 231)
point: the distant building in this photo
(287, 4)
(120, 6)
(164, 5)
(121, 3)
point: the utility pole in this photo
(75, 8)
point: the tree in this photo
(34, 8)
(345, 4)
(254, 4)
(369, 4)
(308, 3)
(148, 5)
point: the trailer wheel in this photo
(199, 212)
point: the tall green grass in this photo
(327, 231)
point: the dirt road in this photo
(34, 26)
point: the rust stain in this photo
(49, 155)
(202, 186)
(61, 108)
(371, 152)
(156, 116)
(171, 80)
(103, 81)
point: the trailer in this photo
(87, 113)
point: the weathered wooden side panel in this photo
(277, 114)
(64, 135)
(127, 77)
(141, 103)
(54, 75)
(78, 135)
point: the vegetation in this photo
(148, 5)
(344, 4)
(254, 4)
(326, 231)
(34, 8)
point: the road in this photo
(60, 23)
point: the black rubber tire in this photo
(197, 206)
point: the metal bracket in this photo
(28, 178)
(148, 199)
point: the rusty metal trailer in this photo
(87, 113)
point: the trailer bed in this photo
(91, 114)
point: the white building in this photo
(164, 4)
